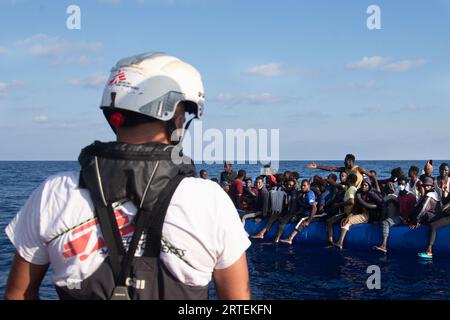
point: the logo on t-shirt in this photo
(86, 239)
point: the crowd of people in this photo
(357, 196)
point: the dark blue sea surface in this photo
(276, 271)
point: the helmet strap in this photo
(172, 128)
(113, 99)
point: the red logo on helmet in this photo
(118, 77)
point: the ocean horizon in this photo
(276, 272)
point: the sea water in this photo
(276, 271)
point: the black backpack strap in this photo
(152, 221)
(111, 236)
(105, 215)
(154, 230)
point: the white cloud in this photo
(40, 118)
(368, 63)
(95, 81)
(45, 45)
(57, 50)
(80, 60)
(5, 86)
(259, 98)
(385, 64)
(404, 65)
(266, 70)
(16, 83)
(11, 2)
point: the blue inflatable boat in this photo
(402, 239)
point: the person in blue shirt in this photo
(328, 193)
(307, 211)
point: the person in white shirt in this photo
(199, 238)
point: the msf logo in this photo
(85, 240)
(117, 78)
(135, 283)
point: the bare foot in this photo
(258, 220)
(286, 241)
(380, 248)
(258, 236)
(329, 245)
(337, 245)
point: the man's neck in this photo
(144, 133)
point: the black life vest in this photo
(146, 175)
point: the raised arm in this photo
(325, 168)
(364, 171)
(233, 282)
(24, 280)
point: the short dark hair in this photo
(202, 171)
(280, 179)
(295, 175)
(332, 176)
(352, 178)
(317, 179)
(350, 157)
(306, 180)
(414, 169)
(397, 172)
(242, 173)
(248, 178)
(445, 164)
(322, 184)
(260, 178)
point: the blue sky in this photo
(309, 68)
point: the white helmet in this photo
(153, 84)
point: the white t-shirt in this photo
(202, 230)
